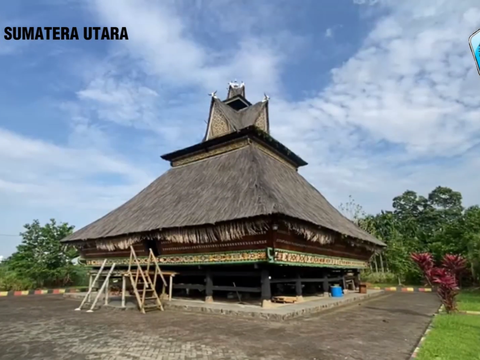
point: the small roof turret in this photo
(235, 88)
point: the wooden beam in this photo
(304, 280)
(222, 273)
(189, 286)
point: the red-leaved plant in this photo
(445, 278)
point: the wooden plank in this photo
(236, 274)
(285, 299)
(237, 288)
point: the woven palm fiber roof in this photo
(242, 184)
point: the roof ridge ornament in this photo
(235, 85)
(265, 97)
(213, 94)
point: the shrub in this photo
(10, 281)
(378, 277)
(445, 277)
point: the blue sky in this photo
(377, 96)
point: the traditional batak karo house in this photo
(233, 214)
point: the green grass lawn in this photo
(469, 300)
(453, 337)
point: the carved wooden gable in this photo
(261, 121)
(218, 124)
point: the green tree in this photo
(41, 258)
(437, 224)
(471, 239)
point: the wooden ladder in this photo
(141, 281)
(100, 291)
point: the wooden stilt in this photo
(298, 287)
(266, 288)
(164, 294)
(101, 289)
(208, 286)
(356, 279)
(326, 287)
(124, 287)
(90, 285)
(170, 287)
(107, 287)
(87, 297)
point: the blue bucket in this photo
(337, 291)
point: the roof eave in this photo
(252, 130)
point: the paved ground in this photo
(46, 327)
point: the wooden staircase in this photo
(143, 285)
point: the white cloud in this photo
(329, 33)
(161, 41)
(47, 175)
(409, 91)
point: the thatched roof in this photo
(230, 185)
(231, 191)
